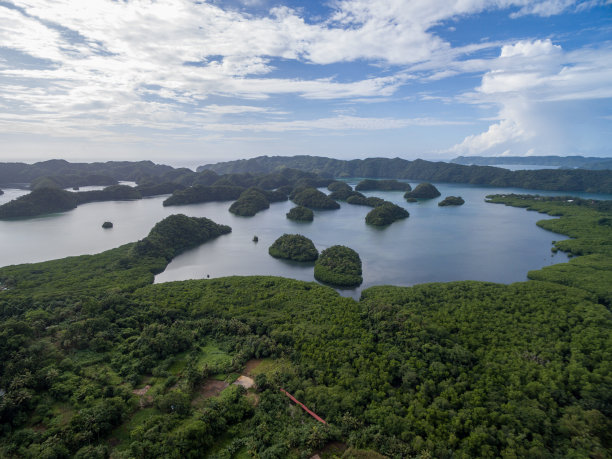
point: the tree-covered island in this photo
(300, 214)
(452, 201)
(385, 214)
(294, 247)
(370, 201)
(423, 191)
(314, 199)
(382, 185)
(250, 202)
(340, 266)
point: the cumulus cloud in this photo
(170, 65)
(538, 88)
(337, 123)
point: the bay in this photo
(476, 241)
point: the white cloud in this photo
(338, 123)
(538, 87)
(159, 64)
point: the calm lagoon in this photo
(476, 241)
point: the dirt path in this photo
(251, 365)
(212, 388)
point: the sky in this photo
(193, 82)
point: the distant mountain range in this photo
(565, 162)
(594, 181)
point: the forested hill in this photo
(118, 170)
(98, 362)
(581, 162)
(397, 168)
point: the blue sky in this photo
(186, 83)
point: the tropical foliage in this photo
(599, 181)
(314, 199)
(339, 265)
(294, 247)
(250, 202)
(382, 185)
(385, 214)
(97, 361)
(423, 191)
(452, 201)
(370, 201)
(300, 213)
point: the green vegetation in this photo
(201, 193)
(301, 214)
(97, 361)
(341, 191)
(343, 195)
(395, 168)
(155, 189)
(340, 266)
(71, 181)
(110, 193)
(249, 203)
(385, 214)
(339, 186)
(46, 200)
(371, 201)
(382, 185)
(121, 269)
(423, 191)
(39, 202)
(67, 174)
(586, 222)
(315, 199)
(107, 225)
(452, 201)
(177, 233)
(254, 200)
(294, 247)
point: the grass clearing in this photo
(212, 356)
(272, 366)
(120, 437)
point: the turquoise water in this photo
(477, 241)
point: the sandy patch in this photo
(212, 388)
(245, 382)
(142, 391)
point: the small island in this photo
(249, 203)
(452, 201)
(371, 201)
(202, 193)
(339, 186)
(386, 214)
(39, 202)
(315, 199)
(107, 225)
(382, 185)
(294, 247)
(340, 266)
(423, 191)
(344, 195)
(300, 214)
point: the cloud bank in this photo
(139, 69)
